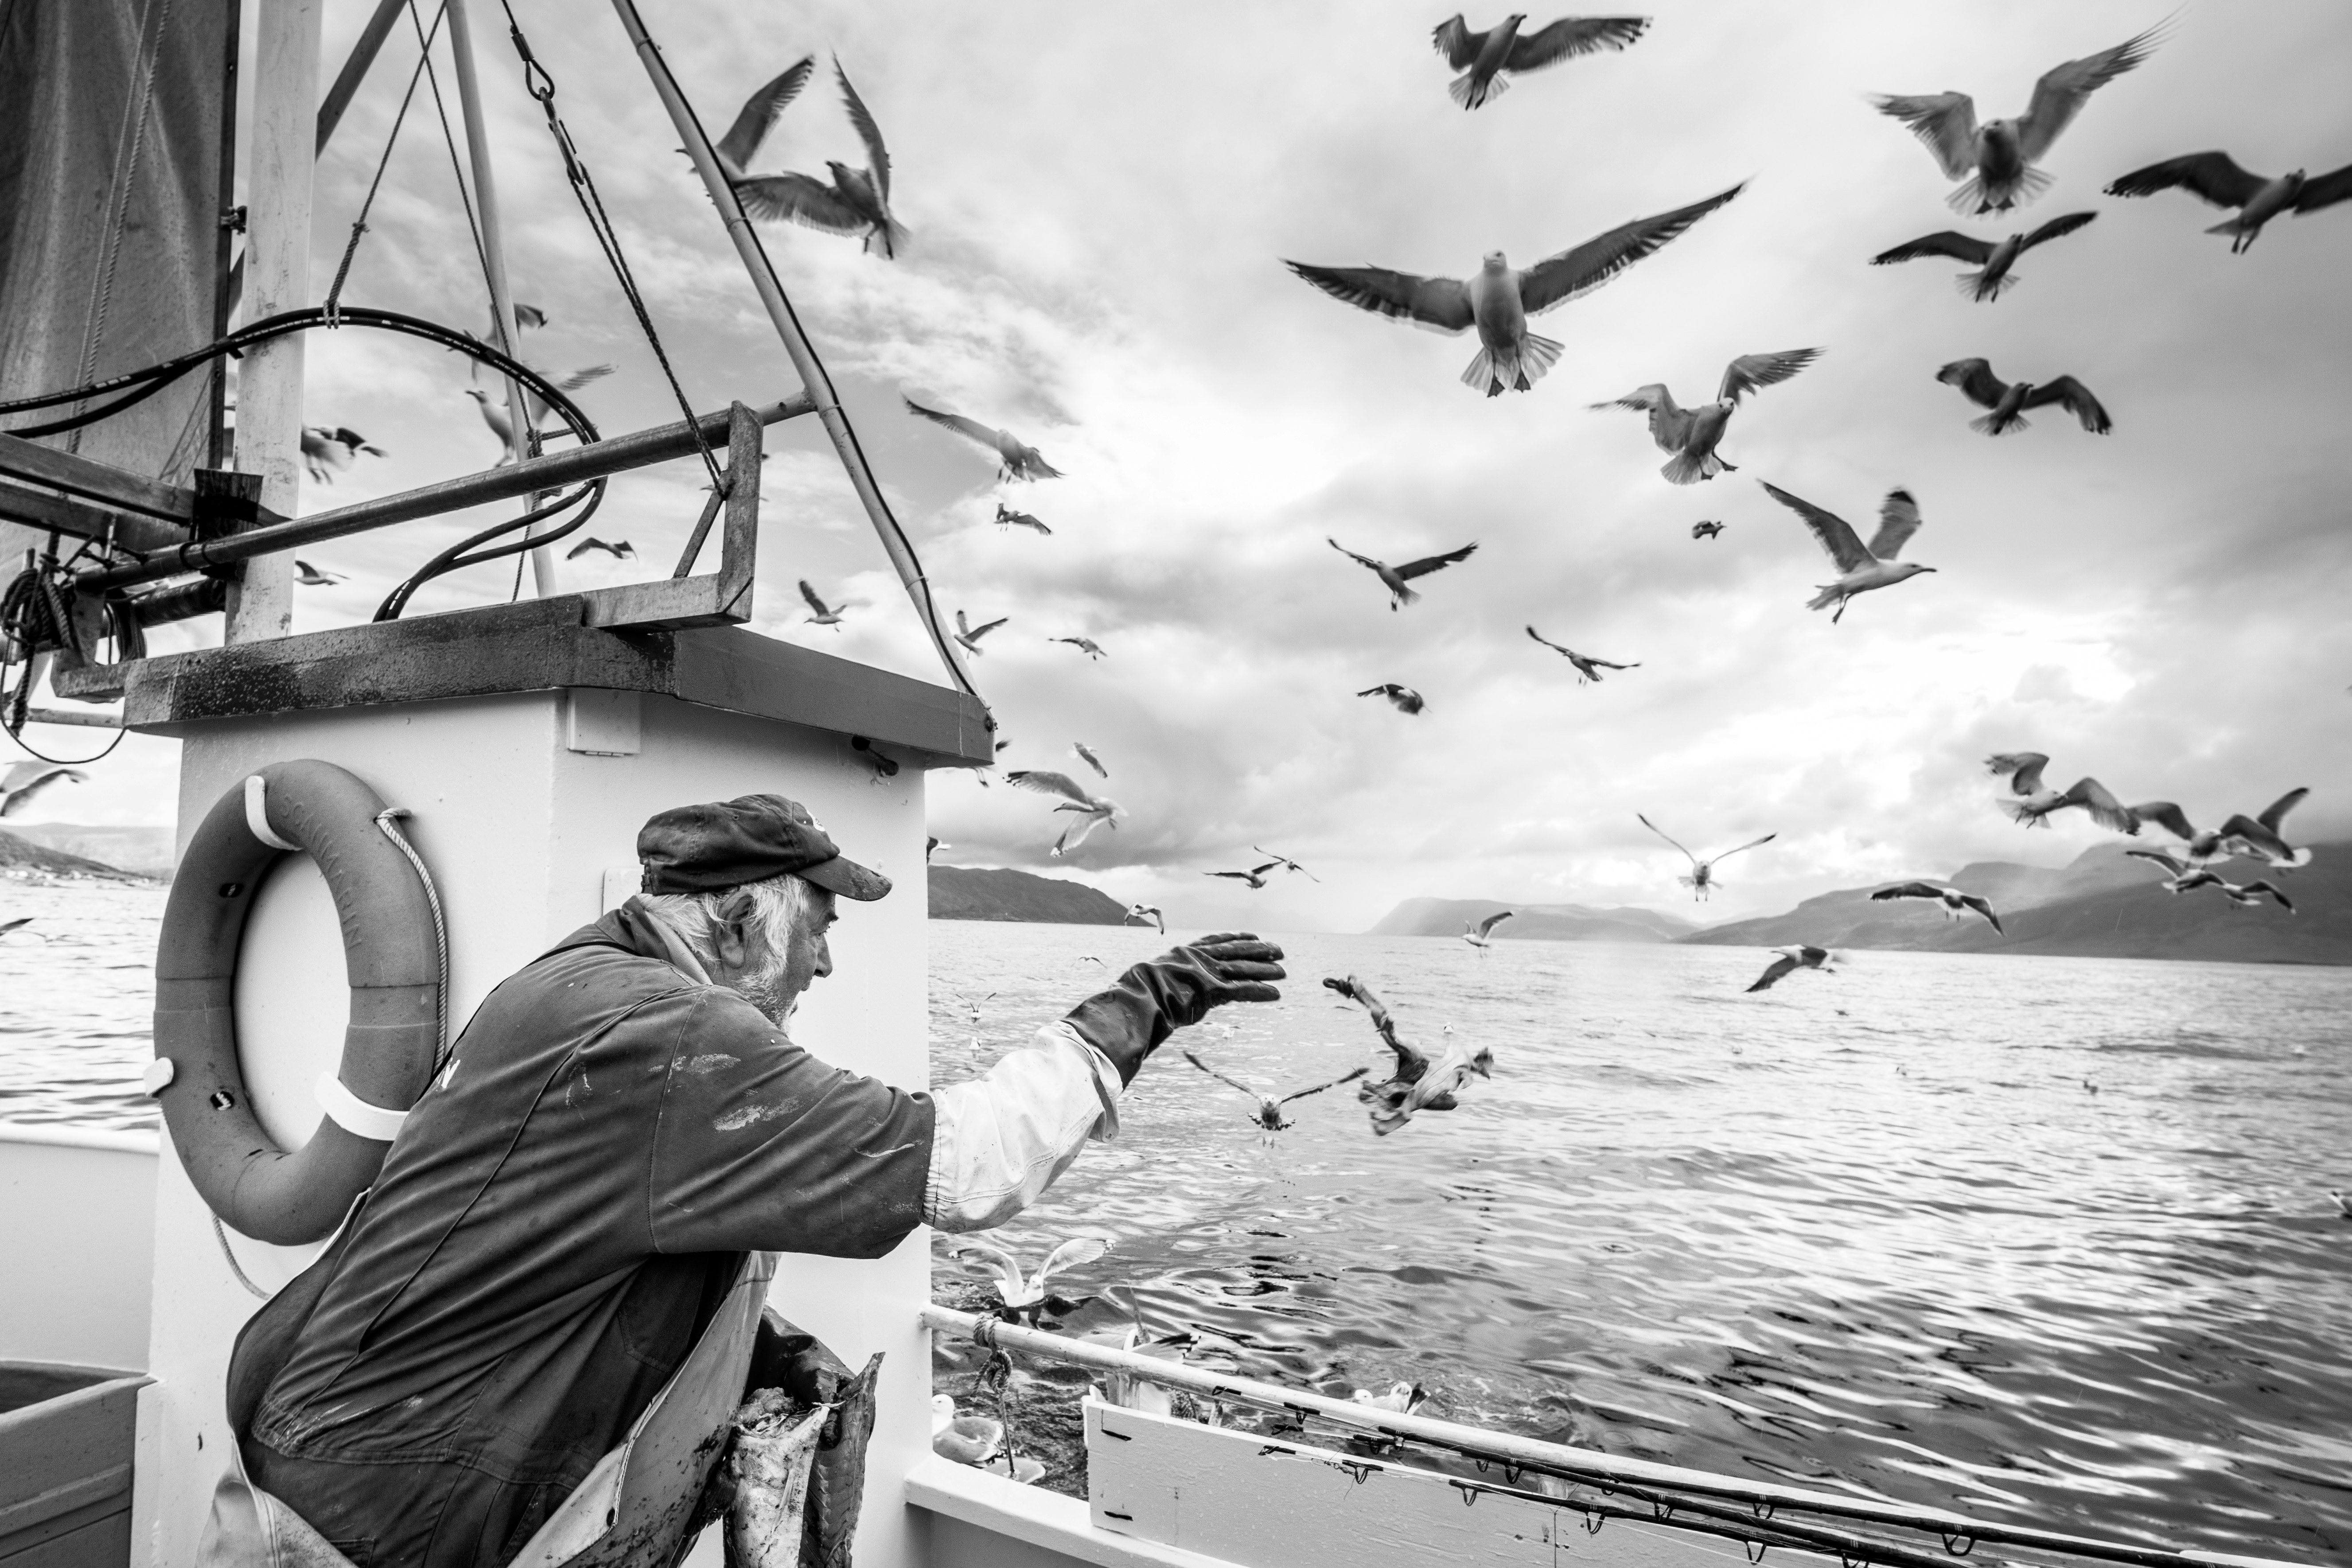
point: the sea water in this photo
(2044, 1240)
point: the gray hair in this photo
(784, 903)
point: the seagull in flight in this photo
(1705, 530)
(970, 634)
(2032, 802)
(1395, 578)
(1256, 878)
(1146, 912)
(1792, 959)
(1286, 863)
(1499, 298)
(1023, 1298)
(1995, 161)
(1483, 57)
(2259, 837)
(1956, 902)
(1014, 460)
(1007, 517)
(1476, 933)
(1701, 880)
(1093, 810)
(1586, 669)
(1993, 258)
(2181, 876)
(2009, 400)
(1420, 1082)
(1084, 753)
(619, 549)
(820, 613)
(494, 414)
(1405, 699)
(2216, 178)
(328, 450)
(2247, 895)
(2201, 846)
(1691, 434)
(22, 781)
(1860, 569)
(1087, 646)
(857, 201)
(1269, 1118)
(309, 576)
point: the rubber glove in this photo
(1152, 1000)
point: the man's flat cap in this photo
(725, 844)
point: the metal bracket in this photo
(716, 599)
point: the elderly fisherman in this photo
(524, 1342)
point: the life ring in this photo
(393, 957)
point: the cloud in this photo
(1100, 209)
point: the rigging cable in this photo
(359, 224)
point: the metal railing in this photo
(1662, 1489)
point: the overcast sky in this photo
(1100, 198)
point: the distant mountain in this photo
(20, 856)
(1532, 922)
(146, 849)
(967, 893)
(2102, 905)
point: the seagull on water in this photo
(1022, 1297)
(1420, 1082)
(2216, 178)
(2181, 876)
(1476, 933)
(1483, 57)
(2032, 802)
(618, 549)
(1995, 161)
(1256, 876)
(1956, 902)
(1087, 646)
(1701, 880)
(1500, 299)
(328, 450)
(2343, 1203)
(1395, 578)
(820, 613)
(2009, 400)
(1705, 530)
(22, 781)
(1993, 258)
(309, 576)
(1587, 668)
(1146, 912)
(1860, 569)
(1401, 1399)
(1792, 959)
(1285, 862)
(1269, 1118)
(970, 634)
(1014, 460)
(1094, 810)
(1691, 434)
(1084, 753)
(857, 201)
(1007, 517)
(1405, 699)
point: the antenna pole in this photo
(818, 386)
(277, 255)
(502, 317)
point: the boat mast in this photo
(494, 255)
(278, 269)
